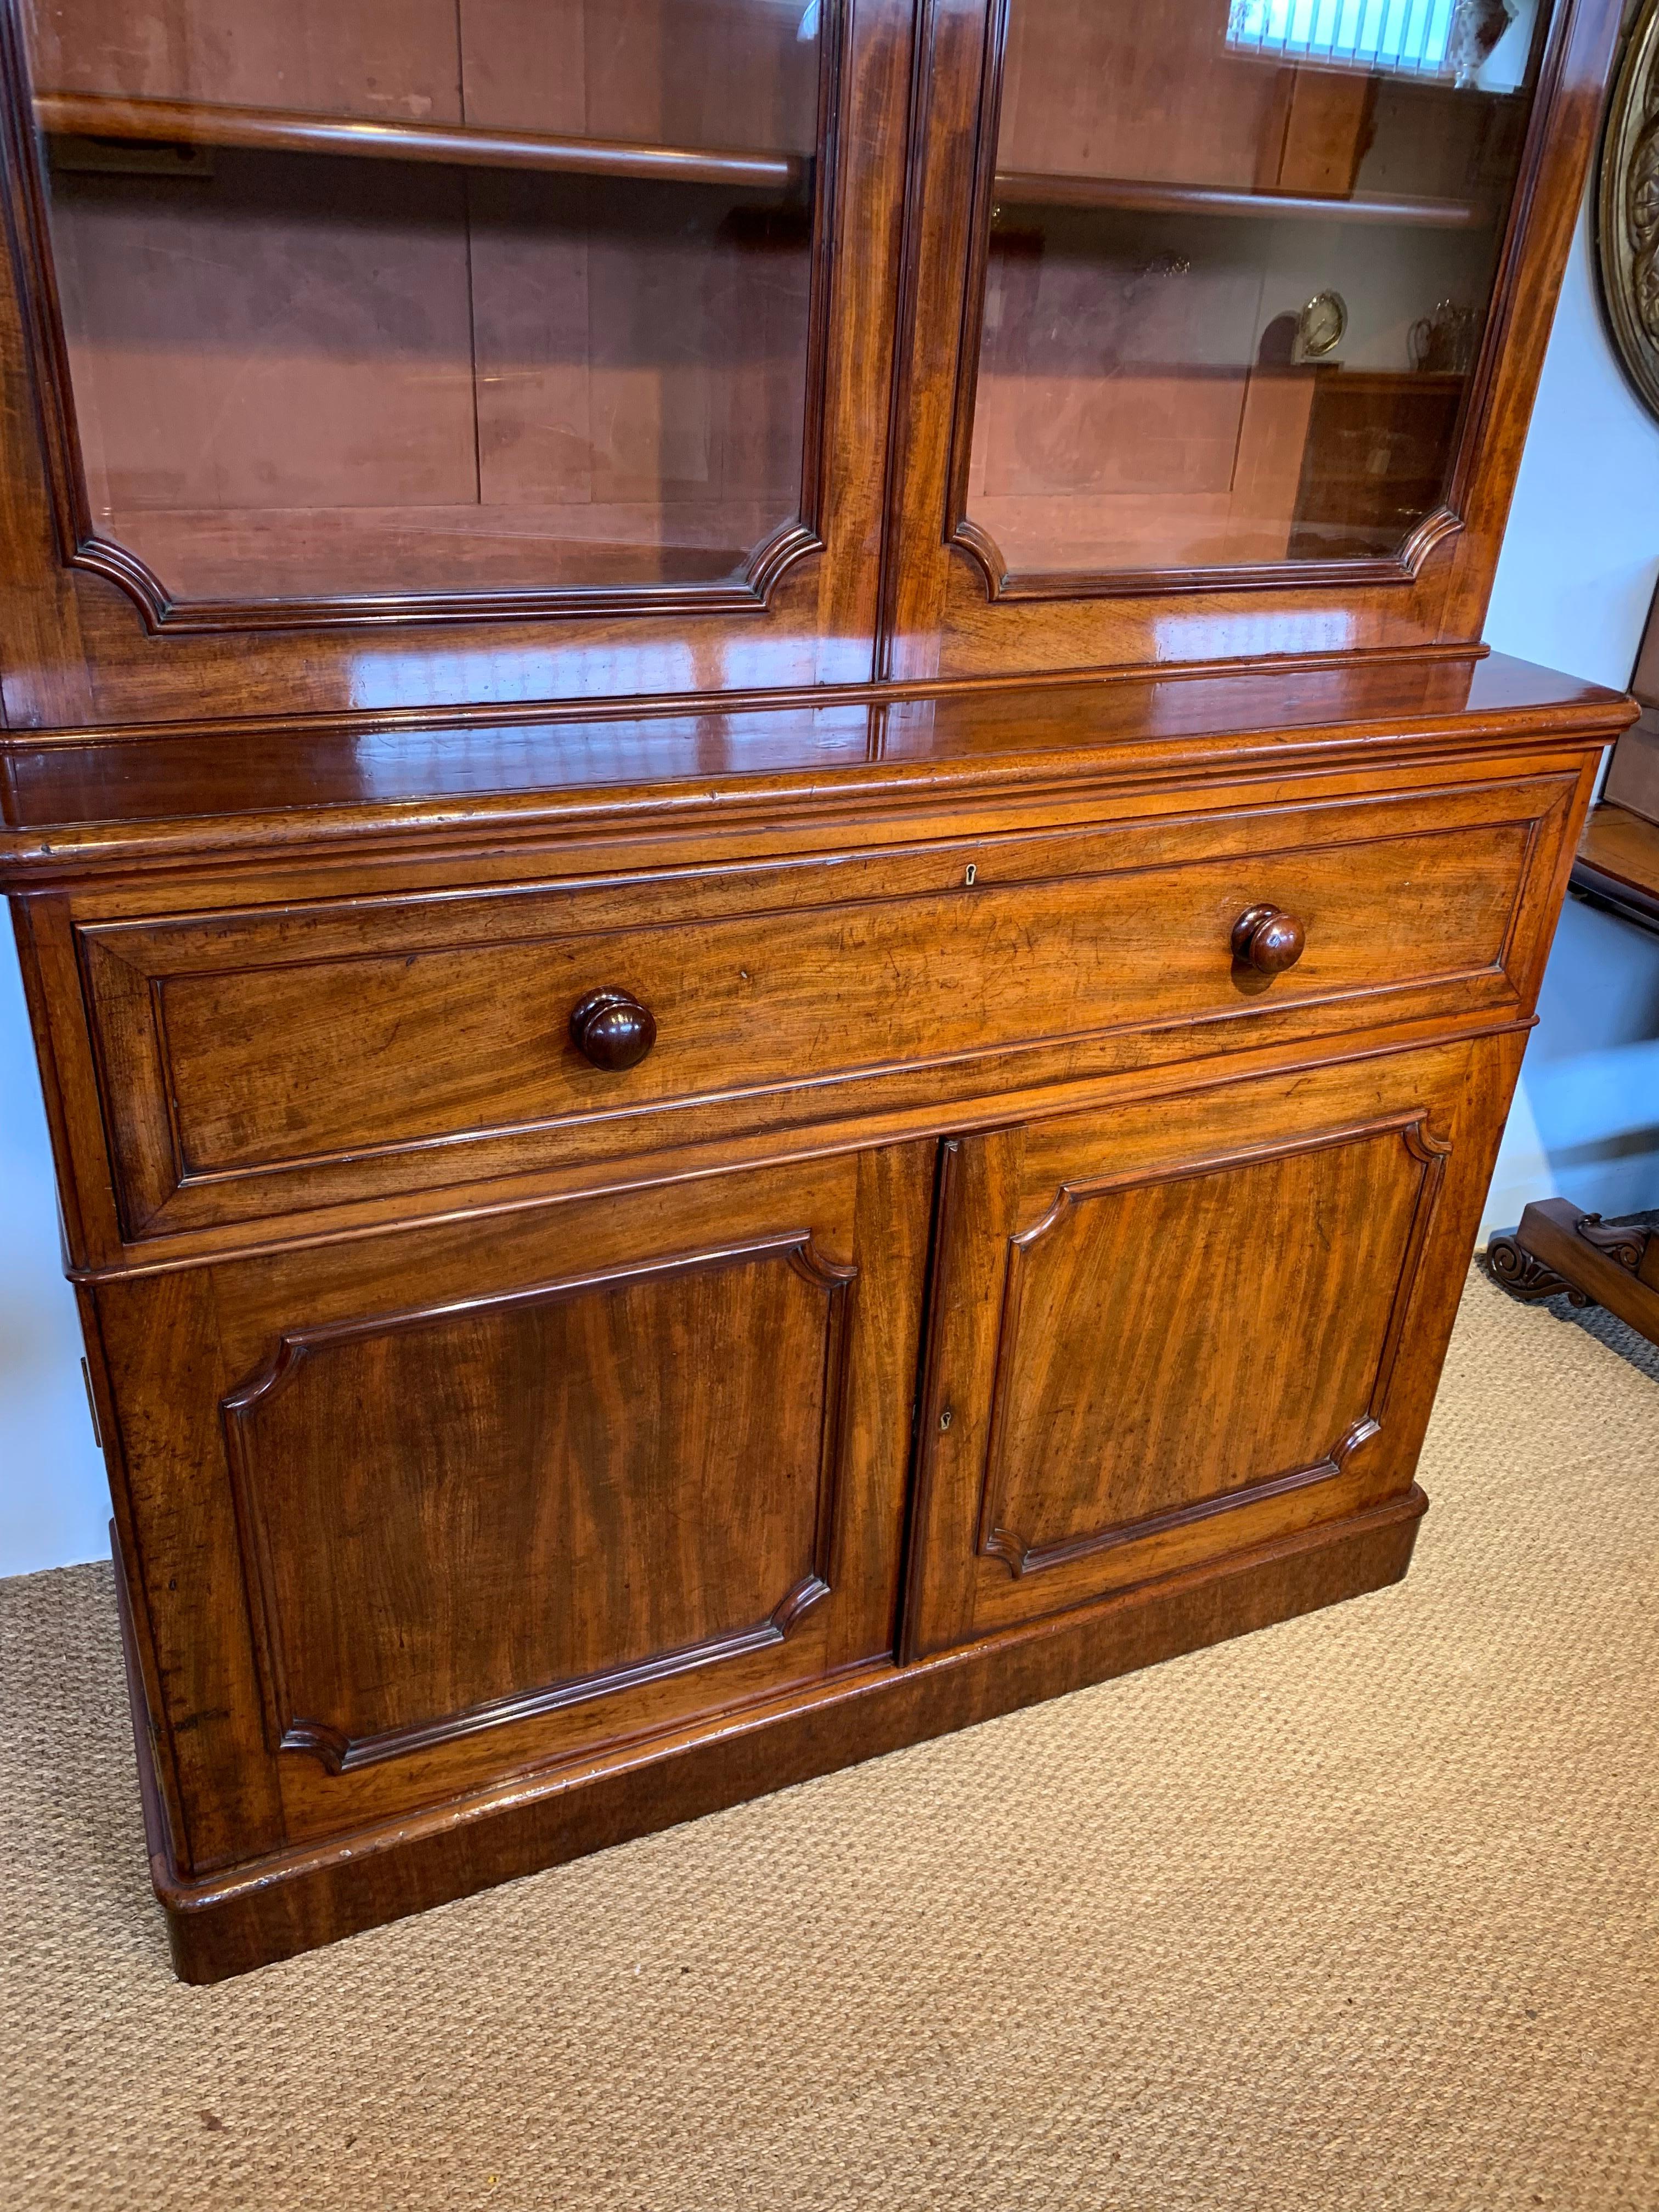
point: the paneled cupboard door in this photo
(364, 313)
(1207, 351)
(1175, 1331)
(489, 1496)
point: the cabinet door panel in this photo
(462, 1515)
(1167, 1333)
(434, 1509)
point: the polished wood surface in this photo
(701, 71)
(1069, 1448)
(1375, 459)
(1268, 939)
(1632, 778)
(333, 1648)
(611, 1028)
(1558, 1250)
(315, 1894)
(1018, 188)
(1618, 863)
(568, 597)
(717, 1105)
(96, 800)
(752, 359)
(960, 602)
(260, 1060)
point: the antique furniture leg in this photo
(1559, 1247)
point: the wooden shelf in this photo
(1618, 864)
(1025, 189)
(190, 123)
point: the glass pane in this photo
(1241, 259)
(404, 296)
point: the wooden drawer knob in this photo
(1268, 939)
(613, 1029)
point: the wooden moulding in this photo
(989, 187)
(74, 804)
(974, 603)
(272, 1909)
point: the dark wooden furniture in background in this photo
(777, 914)
(1558, 1246)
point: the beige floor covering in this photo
(1361, 1911)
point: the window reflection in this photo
(1242, 257)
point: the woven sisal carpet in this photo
(1361, 1911)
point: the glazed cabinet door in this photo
(1186, 1328)
(404, 1516)
(1226, 330)
(459, 311)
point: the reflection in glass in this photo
(399, 297)
(1242, 255)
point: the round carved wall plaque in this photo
(1628, 209)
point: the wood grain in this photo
(297, 131)
(345, 559)
(1117, 1408)
(223, 1926)
(723, 1098)
(518, 1531)
(961, 603)
(258, 1060)
(582, 1452)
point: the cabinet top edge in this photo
(127, 799)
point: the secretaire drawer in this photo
(265, 1060)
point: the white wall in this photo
(54, 1503)
(1573, 588)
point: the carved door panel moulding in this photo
(1026, 1551)
(1161, 1336)
(404, 1479)
(1627, 210)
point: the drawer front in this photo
(259, 1061)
